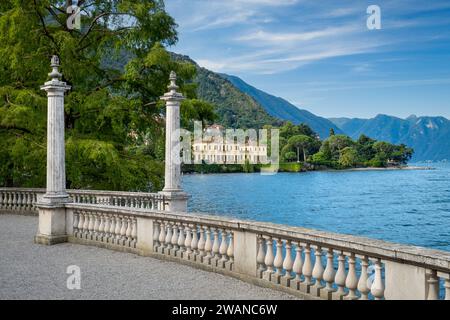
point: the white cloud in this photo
(263, 36)
(273, 36)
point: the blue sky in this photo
(320, 55)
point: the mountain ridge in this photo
(241, 105)
(283, 109)
(429, 136)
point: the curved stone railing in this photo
(309, 263)
(23, 201)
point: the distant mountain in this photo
(238, 104)
(282, 109)
(235, 108)
(429, 136)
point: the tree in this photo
(290, 156)
(289, 130)
(348, 157)
(383, 150)
(194, 109)
(335, 144)
(364, 147)
(303, 143)
(118, 68)
(332, 132)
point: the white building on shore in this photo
(215, 149)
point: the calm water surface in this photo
(400, 206)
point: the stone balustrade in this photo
(308, 263)
(19, 201)
(23, 201)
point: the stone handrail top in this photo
(83, 192)
(419, 256)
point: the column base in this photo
(176, 200)
(52, 224)
(49, 240)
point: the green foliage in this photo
(290, 167)
(118, 68)
(289, 156)
(348, 157)
(196, 109)
(247, 167)
(339, 151)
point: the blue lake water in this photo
(403, 206)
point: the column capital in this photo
(172, 95)
(55, 85)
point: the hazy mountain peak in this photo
(283, 109)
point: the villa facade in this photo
(215, 149)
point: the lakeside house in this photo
(214, 148)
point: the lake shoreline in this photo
(325, 169)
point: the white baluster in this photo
(287, 265)
(362, 284)
(80, 224)
(14, 201)
(194, 243)
(133, 232)
(76, 220)
(433, 285)
(297, 267)
(229, 265)
(181, 240)
(10, 200)
(112, 229)
(156, 232)
(128, 232)
(307, 270)
(188, 242)
(86, 225)
(168, 239)
(123, 231)
(101, 228)
(318, 271)
(351, 282)
(329, 276)
(215, 247)
(96, 226)
(340, 277)
(269, 259)
(117, 229)
(278, 262)
(208, 247)
(201, 245)
(377, 289)
(261, 256)
(91, 226)
(223, 249)
(162, 237)
(174, 240)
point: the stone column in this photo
(177, 199)
(52, 221)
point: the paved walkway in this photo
(30, 271)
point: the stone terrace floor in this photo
(30, 271)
